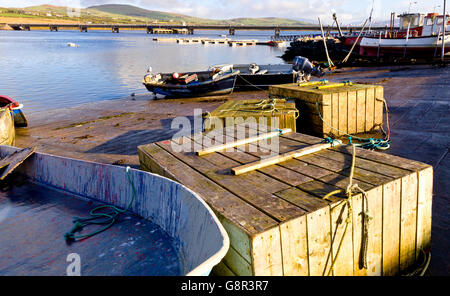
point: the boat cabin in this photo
(414, 21)
(433, 24)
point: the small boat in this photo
(218, 80)
(71, 44)
(19, 117)
(167, 230)
(277, 43)
(7, 130)
(255, 77)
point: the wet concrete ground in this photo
(418, 98)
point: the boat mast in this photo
(444, 23)
(370, 17)
(337, 25)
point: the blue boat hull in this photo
(19, 118)
(210, 88)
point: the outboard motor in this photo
(305, 69)
(253, 69)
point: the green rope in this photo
(371, 144)
(99, 218)
(366, 143)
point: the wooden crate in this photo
(278, 113)
(276, 219)
(350, 109)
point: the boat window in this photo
(439, 21)
(430, 22)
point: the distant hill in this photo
(133, 11)
(137, 12)
(119, 13)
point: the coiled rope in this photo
(99, 217)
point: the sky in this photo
(348, 11)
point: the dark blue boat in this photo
(217, 81)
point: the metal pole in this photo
(444, 23)
(370, 17)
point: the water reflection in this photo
(38, 69)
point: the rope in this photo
(367, 143)
(260, 107)
(365, 220)
(99, 218)
(422, 268)
(250, 83)
(354, 44)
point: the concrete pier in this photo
(417, 97)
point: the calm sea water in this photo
(39, 70)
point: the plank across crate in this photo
(335, 110)
(278, 113)
(276, 217)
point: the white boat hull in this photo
(414, 46)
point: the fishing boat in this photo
(218, 80)
(254, 77)
(164, 228)
(419, 36)
(7, 130)
(19, 117)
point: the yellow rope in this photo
(349, 191)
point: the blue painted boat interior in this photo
(36, 218)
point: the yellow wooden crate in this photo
(278, 113)
(335, 110)
(277, 219)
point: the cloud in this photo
(348, 11)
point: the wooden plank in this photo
(424, 210)
(343, 114)
(237, 264)
(391, 227)
(384, 158)
(14, 160)
(280, 158)
(342, 181)
(360, 111)
(370, 105)
(379, 105)
(239, 218)
(326, 111)
(341, 238)
(304, 200)
(236, 143)
(375, 225)
(222, 270)
(351, 116)
(240, 240)
(335, 113)
(266, 253)
(380, 168)
(277, 172)
(294, 247)
(408, 221)
(254, 188)
(319, 241)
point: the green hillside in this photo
(117, 13)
